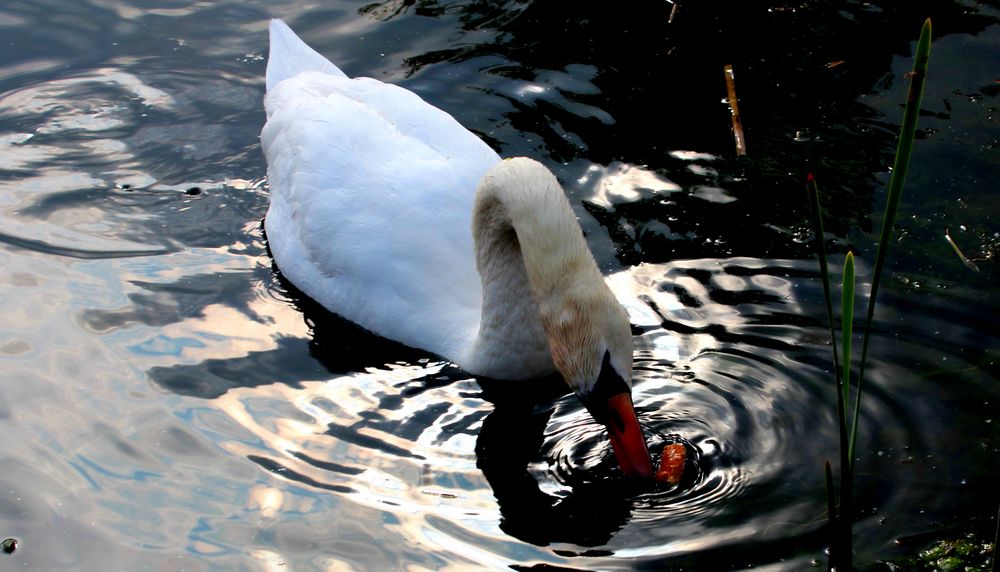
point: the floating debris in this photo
(673, 11)
(741, 144)
(968, 263)
(672, 464)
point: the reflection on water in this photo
(726, 359)
(168, 402)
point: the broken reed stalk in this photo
(673, 12)
(734, 107)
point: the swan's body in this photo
(387, 211)
(353, 222)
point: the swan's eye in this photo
(608, 384)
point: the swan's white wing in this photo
(371, 200)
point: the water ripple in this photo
(168, 402)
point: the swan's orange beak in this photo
(610, 403)
(626, 437)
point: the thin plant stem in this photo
(996, 540)
(841, 518)
(840, 526)
(904, 149)
(847, 464)
(817, 215)
(831, 497)
(847, 326)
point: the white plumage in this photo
(388, 212)
(371, 199)
(373, 195)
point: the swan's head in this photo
(591, 344)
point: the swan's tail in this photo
(291, 56)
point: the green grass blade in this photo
(846, 450)
(846, 331)
(831, 497)
(840, 526)
(904, 149)
(817, 215)
(812, 190)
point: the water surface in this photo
(168, 402)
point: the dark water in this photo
(168, 403)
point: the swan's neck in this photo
(535, 267)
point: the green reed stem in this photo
(840, 525)
(904, 149)
(831, 496)
(846, 332)
(817, 218)
(841, 520)
(846, 455)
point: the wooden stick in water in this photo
(741, 142)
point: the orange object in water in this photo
(671, 464)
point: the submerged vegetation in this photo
(967, 554)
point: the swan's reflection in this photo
(360, 422)
(509, 441)
(393, 423)
(448, 464)
(417, 426)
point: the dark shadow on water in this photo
(274, 466)
(510, 436)
(160, 304)
(45, 247)
(343, 346)
(509, 440)
(336, 345)
(212, 378)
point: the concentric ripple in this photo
(728, 363)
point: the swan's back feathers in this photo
(371, 199)
(290, 56)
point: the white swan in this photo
(387, 211)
